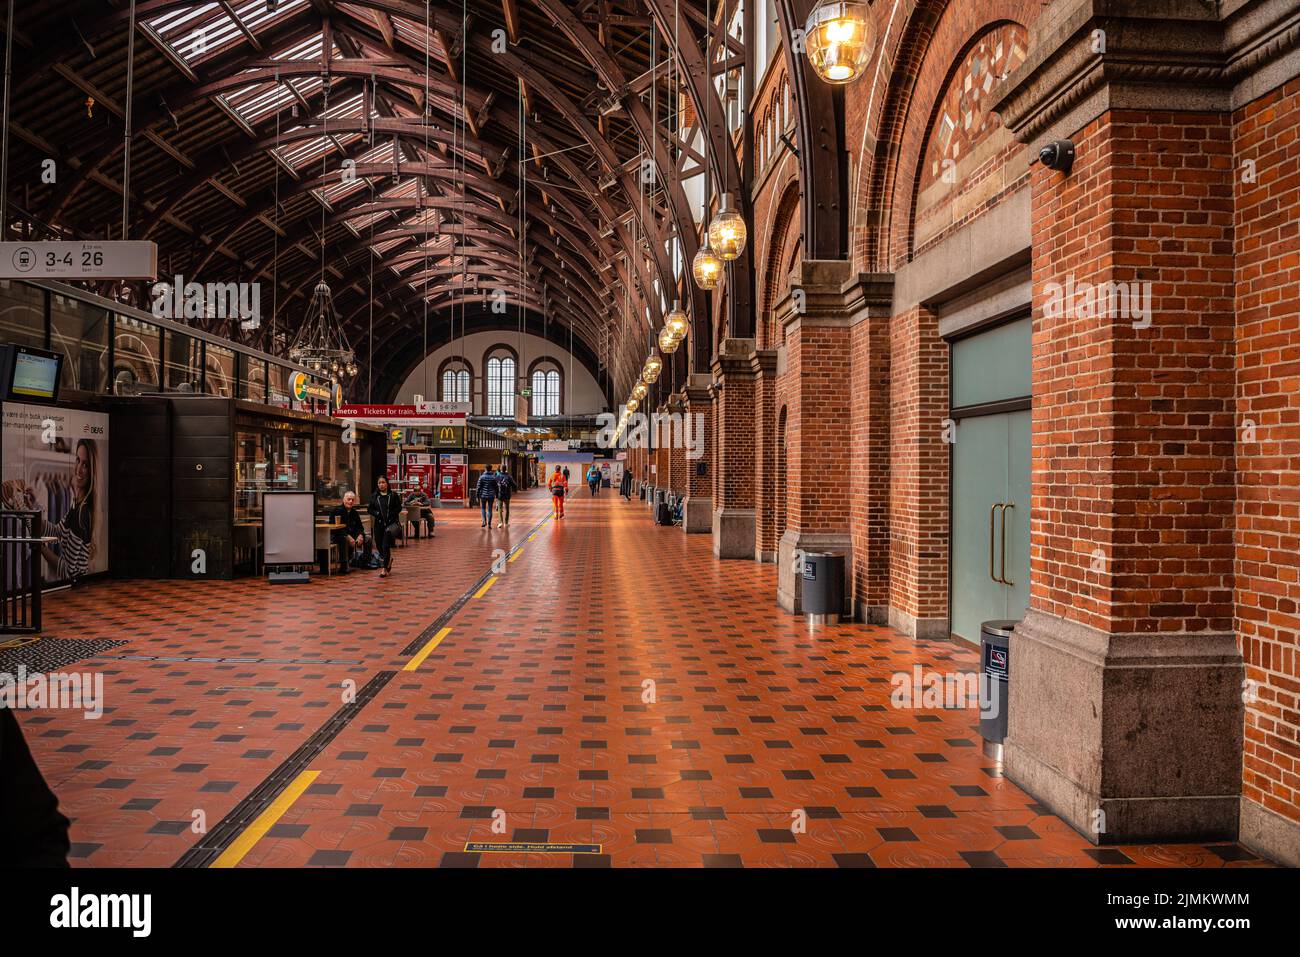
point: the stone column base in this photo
(697, 515)
(1270, 834)
(914, 627)
(1127, 737)
(871, 614)
(789, 581)
(733, 532)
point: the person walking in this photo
(559, 486)
(506, 486)
(566, 480)
(487, 493)
(593, 479)
(386, 516)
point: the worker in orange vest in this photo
(559, 486)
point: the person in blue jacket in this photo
(487, 489)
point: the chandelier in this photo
(321, 344)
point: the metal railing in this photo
(20, 571)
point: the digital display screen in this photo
(35, 376)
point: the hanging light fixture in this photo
(632, 405)
(653, 366)
(321, 344)
(706, 267)
(677, 322)
(639, 390)
(667, 343)
(727, 232)
(839, 37)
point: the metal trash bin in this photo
(995, 660)
(640, 492)
(823, 587)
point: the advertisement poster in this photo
(66, 479)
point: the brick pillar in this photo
(661, 456)
(1268, 458)
(677, 453)
(1126, 714)
(825, 303)
(869, 414)
(768, 481)
(697, 513)
(733, 483)
(918, 478)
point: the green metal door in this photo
(979, 488)
(990, 477)
(1015, 524)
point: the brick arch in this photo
(776, 269)
(924, 50)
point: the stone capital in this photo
(1090, 56)
(828, 293)
(733, 360)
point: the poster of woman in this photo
(55, 461)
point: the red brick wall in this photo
(1268, 455)
(769, 498)
(819, 460)
(869, 464)
(733, 482)
(701, 486)
(1133, 432)
(918, 457)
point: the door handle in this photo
(993, 511)
(1003, 576)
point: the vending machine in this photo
(453, 478)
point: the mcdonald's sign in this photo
(449, 436)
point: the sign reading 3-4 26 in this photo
(118, 259)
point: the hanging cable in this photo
(421, 188)
(4, 145)
(275, 233)
(126, 131)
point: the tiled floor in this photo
(530, 720)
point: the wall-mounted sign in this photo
(94, 259)
(449, 436)
(304, 387)
(408, 416)
(442, 408)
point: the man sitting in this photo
(420, 509)
(351, 539)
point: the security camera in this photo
(1058, 154)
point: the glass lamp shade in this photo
(706, 267)
(632, 405)
(727, 232)
(667, 341)
(653, 366)
(840, 36)
(677, 322)
(639, 390)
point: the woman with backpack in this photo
(593, 479)
(386, 519)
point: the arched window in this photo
(546, 391)
(455, 382)
(501, 385)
